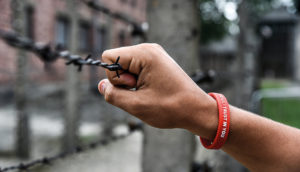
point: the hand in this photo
(165, 96)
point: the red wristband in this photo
(224, 123)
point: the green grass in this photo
(286, 111)
(269, 83)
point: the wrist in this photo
(204, 122)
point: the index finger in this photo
(128, 59)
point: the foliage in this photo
(214, 24)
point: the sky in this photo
(230, 8)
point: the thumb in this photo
(120, 97)
(102, 86)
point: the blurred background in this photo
(247, 50)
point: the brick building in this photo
(48, 21)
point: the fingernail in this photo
(102, 87)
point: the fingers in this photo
(133, 59)
(128, 58)
(122, 98)
(126, 79)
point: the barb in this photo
(47, 54)
(79, 149)
(204, 77)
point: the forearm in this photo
(259, 143)
(165, 97)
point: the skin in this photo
(166, 97)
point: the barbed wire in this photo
(48, 160)
(138, 28)
(48, 54)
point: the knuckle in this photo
(150, 45)
(144, 45)
(155, 45)
(105, 55)
(153, 49)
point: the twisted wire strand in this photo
(137, 28)
(48, 160)
(48, 54)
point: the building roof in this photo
(279, 15)
(226, 45)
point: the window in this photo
(122, 38)
(133, 3)
(123, 1)
(84, 37)
(29, 22)
(62, 31)
(100, 40)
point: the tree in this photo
(214, 24)
(174, 25)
